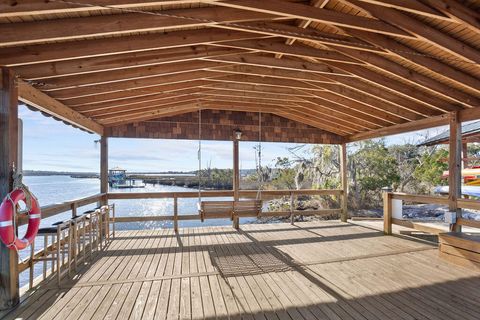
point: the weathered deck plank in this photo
(314, 270)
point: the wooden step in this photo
(462, 248)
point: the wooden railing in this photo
(389, 220)
(246, 194)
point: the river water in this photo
(57, 189)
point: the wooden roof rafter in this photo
(352, 67)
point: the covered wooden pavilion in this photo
(321, 71)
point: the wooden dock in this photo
(310, 270)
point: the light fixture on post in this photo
(238, 134)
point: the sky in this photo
(51, 145)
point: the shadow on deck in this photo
(313, 270)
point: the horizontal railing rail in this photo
(389, 220)
(245, 194)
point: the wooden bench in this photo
(229, 209)
(462, 248)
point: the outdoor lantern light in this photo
(238, 134)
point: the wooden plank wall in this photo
(219, 125)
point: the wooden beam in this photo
(396, 48)
(423, 31)
(132, 94)
(9, 280)
(35, 98)
(457, 11)
(104, 167)
(71, 28)
(416, 7)
(256, 88)
(278, 46)
(42, 7)
(284, 83)
(149, 58)
(344, 181)
(116, 76)
(455, 167)
(306, 12)
(426, 123)
(61, 51)
(286, 64)
(127, 85)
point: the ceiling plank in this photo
(35, 98)
(414, 6)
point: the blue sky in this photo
(52, 145)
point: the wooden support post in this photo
(455, 167)
(387, 213)
(104, 168)
(9, 282)
(236, 180)
(175, 214)
(344, 181)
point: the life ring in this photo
(7, 224)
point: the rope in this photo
(260, 171)
(199, 154)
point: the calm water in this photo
(57, 189)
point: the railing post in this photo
(175, 214)
(455, 167)
(292, 209)
(387, 213)
(344, 181)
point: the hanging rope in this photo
(260, 171)
(199, 154)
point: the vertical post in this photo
(387, 213)
(344, 181)
(236, 179)
(9, 283)
(175, 213)
(292, 208)
(465, 154)
(104, 168)
(455, 167)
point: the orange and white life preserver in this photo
(7, 225)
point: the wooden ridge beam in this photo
(69, 50)
(58, 69)
(306, 12)
(28, 33)
(421, 30)
(35, 98)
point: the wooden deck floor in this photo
(314, 270)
